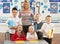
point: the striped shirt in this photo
(26, 17)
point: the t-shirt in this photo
(30, 36)
(47, 27)
(14, 22)
(26, 17)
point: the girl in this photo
(19, 34)
(31, 35)
(38, 21)
(38, 24)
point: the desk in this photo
(26, 42)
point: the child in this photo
(31, 35)
(38, 24)
(13, 21)
(19, 34)
(38, 19)
(47, 30)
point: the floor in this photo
(56, 39)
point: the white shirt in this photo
(30, 36)
(47, 27)
(16, 21)
(39, 21)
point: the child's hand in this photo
(50, 37)
(51, 33)
(37, 30)
(47, 35)
(17, 38)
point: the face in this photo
(31, 29)
(38, 17)
(19, 29)
(48, 20)
(14, 13)
(26, 6)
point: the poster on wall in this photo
(6, 7)
(54, 0)
(54, 7)
(6, 0)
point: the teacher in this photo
(26, 13)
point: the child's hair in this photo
(19, 25)
(14, 8)
(48, 16)
(40, 17)
(30, 27)
(22, 32)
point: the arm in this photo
(12, 27)
(36, 37)
(32, 15)
(45, 33)
(43, 30)
(23, 38)
(20, 21)
(13, 37)
(51, 33)
(19, 15)
(28, 37)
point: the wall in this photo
(44, 10)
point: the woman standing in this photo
(26, 14)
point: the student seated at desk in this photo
(31, 34)
(19, 34)
(47, 30)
